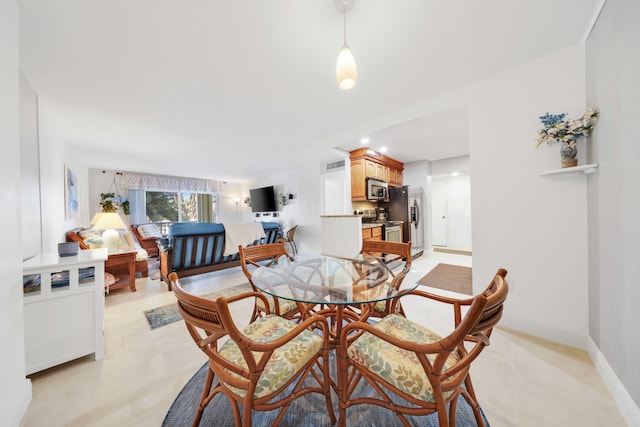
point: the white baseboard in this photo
(628, 408)
(23, 398)
(545, 332)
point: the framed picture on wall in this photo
(70, 194)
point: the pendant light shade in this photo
(346, 72)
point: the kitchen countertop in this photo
(370, 225)
(375, 224)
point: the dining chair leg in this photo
(470, 396)
(204, 398)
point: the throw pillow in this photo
(149, 230)
(109, 279)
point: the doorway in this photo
(451, 212)
(334, 197)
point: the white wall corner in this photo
(628, 408)
(593, 18)
(23, 398)
(562, 337)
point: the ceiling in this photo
(236, 90)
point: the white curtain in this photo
(134, 181)
(137, 207)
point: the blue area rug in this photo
(308, 411)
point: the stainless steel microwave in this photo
(376, 189)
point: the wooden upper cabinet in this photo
(370, 169)
(358, 180)
(368, 163)
(395, 177)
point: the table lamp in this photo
(95, 218)
(110, 222)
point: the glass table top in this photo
(325, 279)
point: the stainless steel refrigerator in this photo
(405, 204)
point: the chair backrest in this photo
(475, 328)
(402, 251)
(198, 313)
(207, 321)
(291, 232)
(391, 252)
(253, 255)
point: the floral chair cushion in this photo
(285, 305)
(285, 362)
(382, 305)
(398, 367)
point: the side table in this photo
(123, 266)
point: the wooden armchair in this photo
(148, 243)
(256, 365)
(75, 235)
(413, 370)
(250, 258)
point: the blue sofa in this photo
(198, 247)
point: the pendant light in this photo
(346, 73)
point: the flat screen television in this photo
(263, 199)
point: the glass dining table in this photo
(340, 289)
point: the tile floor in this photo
(520, 380)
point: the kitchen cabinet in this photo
(358, 180)
(395, 177)
(368, 163)
(376, 170)
(372, 233)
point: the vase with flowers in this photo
(567, 132)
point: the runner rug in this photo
(167, 314)
(454, 278)
(309, 410)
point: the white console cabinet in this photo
(63, 308)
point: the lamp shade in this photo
(95, 218)
(109, 220)
(346, 72)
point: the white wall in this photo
(29, 171)
(227, 208)
(304, 210)
(533, 226)
(15, 389)
(613, 85)
(54, 155)
(448, 166)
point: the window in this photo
(169, 206)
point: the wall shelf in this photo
(586, 169)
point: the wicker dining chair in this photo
(253, 257)
(257, 364)
(390, 253)
(413, 370)
(288, 238)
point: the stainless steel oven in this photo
(392, 232)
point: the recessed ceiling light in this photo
(383, 149)
(364, 141)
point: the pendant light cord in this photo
(344, 16)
